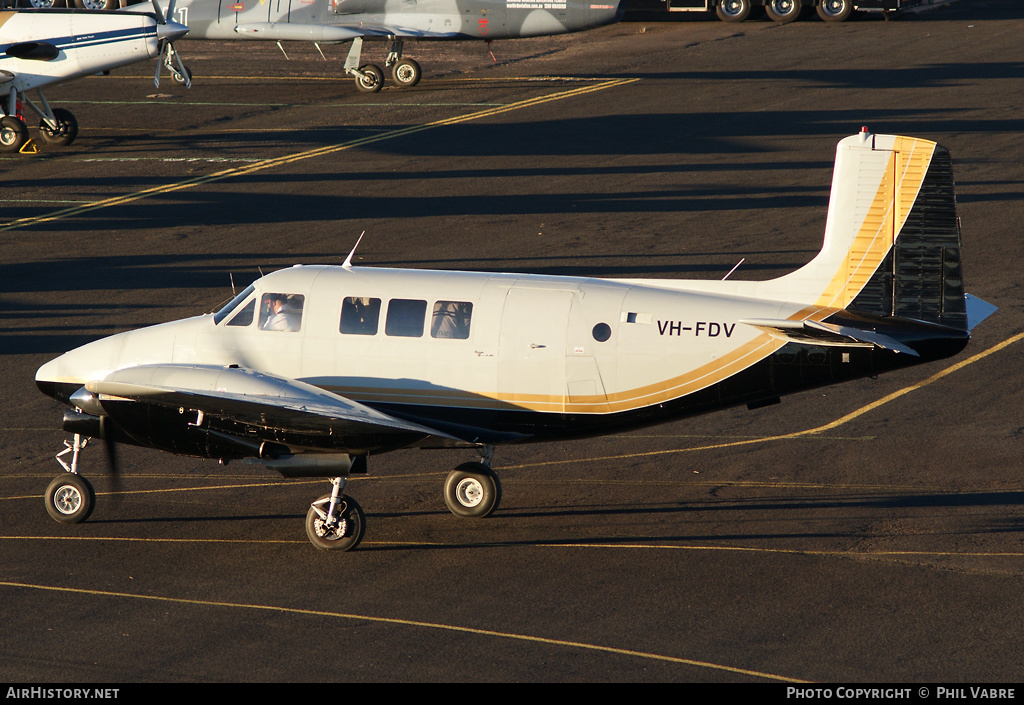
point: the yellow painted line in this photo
(309, 154)
(409, 623)
(520, 544)
(798, 434)
(349, 79)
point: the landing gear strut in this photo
(335, 522)
(369, 78)
(70, 498)
(56, 127)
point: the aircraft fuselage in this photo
(410, 19)
(493, 358)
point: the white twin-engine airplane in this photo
(39, 48)
(313, 369)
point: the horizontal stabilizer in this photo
(978, 311)
(828, 334)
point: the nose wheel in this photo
(70, 499)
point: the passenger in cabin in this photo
(281, 312)
(451, 320)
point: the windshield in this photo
(220, 315)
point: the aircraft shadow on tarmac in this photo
(967, 500)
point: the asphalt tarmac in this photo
(885, 546)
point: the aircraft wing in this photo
(252, 397)
(828, 334)
(290, 31)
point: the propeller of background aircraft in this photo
(167, 34)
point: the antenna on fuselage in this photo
(734, 268)
(348, 260)
(232, 278)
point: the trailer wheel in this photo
(733, 10)
(782, 11)
(835, 10)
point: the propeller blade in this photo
(160, 63)
(111, 448)
(170, 10)
(160, 19)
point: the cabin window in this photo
(224, 312)
(281, 312)
(451, 320)
(359, 315)
(405, 318)
(602, 332)
(245, 316)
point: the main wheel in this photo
(344, 533)
(13, 134)
(782, 11)
(70, 499)
(472, 490)
(96, 4)
(835, 10)
(406, 73)
(733, 10)
(66, 132)
(371, 80)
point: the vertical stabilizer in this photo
(892, 237)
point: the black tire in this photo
(70, 499)
(96, 4)
(782, 11)
(472, 490)
(406, 73)
(733, 10)
(179, 79)
(42, 4)
(343, 537)
(66, 132)
(13, 134)
(371, 80)
(835, 10)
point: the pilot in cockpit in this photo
(282, 312)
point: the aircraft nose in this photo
(171, 30)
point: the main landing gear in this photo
(369, 78)
(335, 522)
(57, 128)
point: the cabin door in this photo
(531, 368)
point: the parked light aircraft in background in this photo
(333, 21)
(313, 369)
(41, 47)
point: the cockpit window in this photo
(245, 315)
(360, 315)
(281, 312)
(451, 320)
(223, 313)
